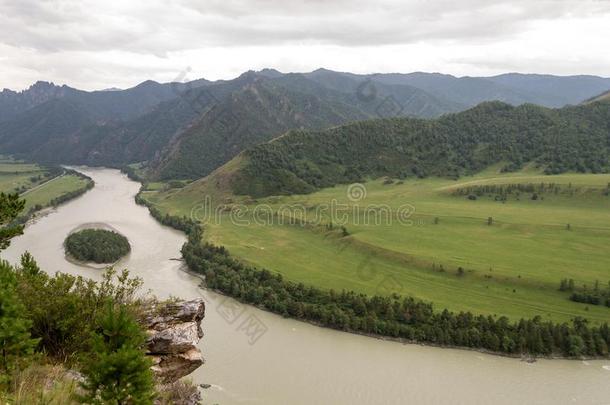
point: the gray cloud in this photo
(114, 32)
(164, 26)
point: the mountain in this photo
(559, 140)
(513, 88)
(379, 98)
(13, 103)
(101, 127)
(204, 147)
(554, 91)
(101, 105)
(46, 127)
(186, 130)
(258, 112)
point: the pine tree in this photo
(10, 207)
(16, 344)
(116, 370)
(29, 265)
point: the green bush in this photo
(117, 371)
(16, 342)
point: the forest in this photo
(571, 139)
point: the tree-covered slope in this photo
(186, 130)
(602, 97)
(258, 112)
(55, 121)
(103, 105)
(568, 139)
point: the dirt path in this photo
(43, 184)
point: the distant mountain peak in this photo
(147, 83)
(43, 86)
(270, 72)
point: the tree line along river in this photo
(254, 357)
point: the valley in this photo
(41, 187)
(304, 202)
(422, 258)
(345, 368)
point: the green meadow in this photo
(34, 183)
(444, 250)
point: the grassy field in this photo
(34, 183)
(512, 267)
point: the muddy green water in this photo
(253, 357)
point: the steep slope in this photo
(12, 103)
(256, 113)
(568, 139)
(188, 129)
(143, 138)
(56, 121)
(89, 137)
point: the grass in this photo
(512, 267)
(41, 384)
(55, 188)
(34, 183)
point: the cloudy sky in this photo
(93, 44)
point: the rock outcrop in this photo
(174, 329)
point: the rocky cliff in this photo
(174, 329)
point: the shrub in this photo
(117, 370)
(16, 342)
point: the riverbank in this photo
(384, 317)
(285, 358)
(52, 200)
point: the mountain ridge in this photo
(154, 121)
(300, 162)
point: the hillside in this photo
(103, 105)
(602, 97)
(569, 139)
(186, 130)
(258, 112)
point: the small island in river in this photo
(97, 245)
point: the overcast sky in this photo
(93, 44)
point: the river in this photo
(254, 357)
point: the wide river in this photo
(253, 357)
